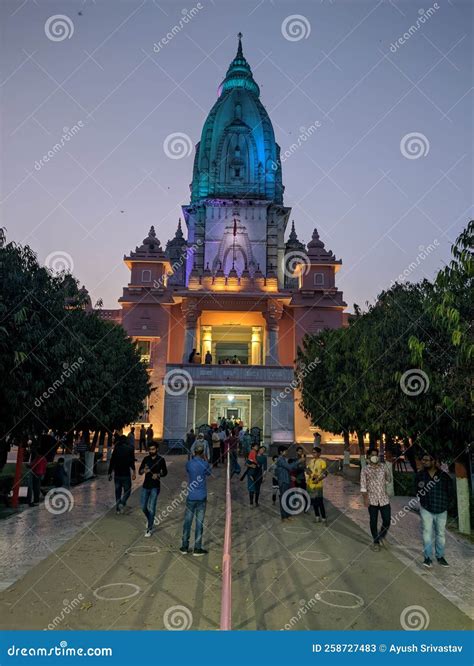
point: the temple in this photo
(220, 311)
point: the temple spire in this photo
(240, 53)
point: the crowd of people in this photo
(195, 357)
(295, 481)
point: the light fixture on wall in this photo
(231, 397)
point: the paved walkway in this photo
(91, 569)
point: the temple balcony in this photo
(232, 375)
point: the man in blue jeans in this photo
(154, 468)
(433, 489)
(122, 463)
(198, 470)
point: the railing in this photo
(226, 595)
(235, 375)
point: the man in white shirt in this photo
(374, 478)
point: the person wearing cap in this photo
(198, 469)
(201, 441)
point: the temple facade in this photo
(220, 311)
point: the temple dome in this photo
(237, 156)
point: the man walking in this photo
(317, 472)
(433, 489)
(149, 435)
(374, 478)
(201, 442)
(122, 464)
(283, 469)
(198, 469)
(142, 439)
(131, 438)
(154, 468)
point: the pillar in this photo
(206, 341)
(272, 316)
(256, 346)
(272, 345)
(191, 314)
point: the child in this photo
(60, 475)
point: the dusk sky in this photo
(377, 195)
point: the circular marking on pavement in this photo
(358, 601)
(296, 530)
(142, 550)
(312, 556)
(133, 593)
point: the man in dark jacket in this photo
(122, 464)
(154, 467)
(433, 489)
(282, 473)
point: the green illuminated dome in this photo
(237, 156)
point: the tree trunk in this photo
(347, 449)
(462, 494)
(360, 439)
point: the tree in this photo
(64, 367)
(451, 306)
